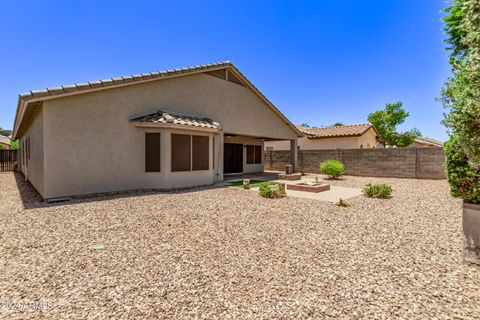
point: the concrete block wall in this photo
(277, 160)
(430, 163)
(422, 163)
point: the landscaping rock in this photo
(212, 253)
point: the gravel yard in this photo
(228, 253)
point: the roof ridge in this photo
(55, 92)
(352, 125)
(336, 131)
(125, 78)
(347, 125)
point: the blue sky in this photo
(318, 61)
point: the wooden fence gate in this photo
(8, 160)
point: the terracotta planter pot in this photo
(471, 232)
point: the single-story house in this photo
(425, 142)
(356, 136)
(5, 143)
(162, 130)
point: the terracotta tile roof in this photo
(28, 97)
(110, 82)
(430, 141)
(162, 117)
(5, 140)
(339, 131)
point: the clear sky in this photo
(318, 61)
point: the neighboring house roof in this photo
(5, 141)
(429, 141)
(162, 117)
(353, 130)
(28, 98)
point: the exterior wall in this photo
(91, 147)
(124, 169)
(5, 143)
(424, 163)
(367, 141)
(430, 163)
(33, 169)
(247, 168)
(315, 144)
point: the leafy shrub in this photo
(332, 168)
(342, 203)
(377, 190)
(463, 177)
(461, 95)
(272, 190)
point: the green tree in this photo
(461, 96)
(455, 31)
(386, 122)
(337, 124)
(15, 145)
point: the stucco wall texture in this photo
(367, 140)
(90, 146)
(33, 168)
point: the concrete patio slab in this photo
(331, 195)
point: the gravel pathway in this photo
(224, 253)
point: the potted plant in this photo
(461, 95)
(464, 179)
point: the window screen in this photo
(200, 153)
(152, 152)
(250, 154)
(258, 154)
(181, 152)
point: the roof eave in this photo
(20, 109)
(336, 136)
(69, 90)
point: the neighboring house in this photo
(162, 130)
(5, 143)
(425, 142)
(356, 136)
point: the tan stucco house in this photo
(161, 130)
(356, 136)
(425, 142)
(5, 143)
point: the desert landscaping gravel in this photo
(228, 253)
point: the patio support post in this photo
(294, 154)
(220, 153)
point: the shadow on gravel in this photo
(31, 199)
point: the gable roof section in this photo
(5, 141)
(353, 130)
(430, 141)
(35, 96)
